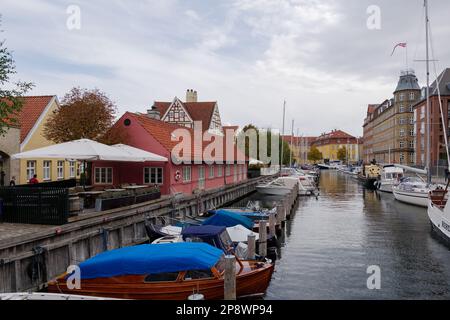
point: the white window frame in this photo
(402, 108)
(201, 176)
(47, 170)
(72, 173)
(60, 170)
(158, 175)
(212, 172)
(31, 169)
(402, 132)
(100, 181)
(402, 144)
(220, 171)
(235, 173)
(186, 177)
(228, 170)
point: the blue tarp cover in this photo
(151, 259)
(203, 231)
(228, 219)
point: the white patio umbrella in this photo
(139, 153)
(88, 150)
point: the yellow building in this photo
(300, 147)
(33, 116)
(330, 143)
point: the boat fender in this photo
(177, 175)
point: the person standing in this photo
(12, 183)
(34, 180)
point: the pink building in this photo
(148, 132)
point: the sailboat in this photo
(416, 191)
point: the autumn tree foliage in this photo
(342, 154)
(83, 114)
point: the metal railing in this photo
(48, 206)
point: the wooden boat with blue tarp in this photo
(164, 272)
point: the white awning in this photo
(89, 150)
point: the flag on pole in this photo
(401, 44)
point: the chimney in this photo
(191, 96)
(153, 113)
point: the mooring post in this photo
(263, 238)
(251, 247)
(272, 223)
(229, 283)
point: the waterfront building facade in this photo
(330, 143)
(300, 147)
(438, 156)
(28, 135)
(389, 133)
(189, 174)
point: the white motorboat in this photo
(390, 176)
(279, 187)
(413, 190)
(439, 213)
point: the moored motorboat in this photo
(164, 272)
(413, 190)
(390, 176)
(369, 176)
(439, 214)
(278, 187)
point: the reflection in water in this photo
(330, 242)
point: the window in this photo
(47, 166)
(411, 120)
(235, 176)
(103, 175)
(402, 157)
(412, 96)
(72, 169)
(422, 112)
(402, 121)
(412, 145)
(198, 274)
(402, 144)
(228, 170)
(411, 109)
(402, 108)
(422, 128)
(187, 174)
(211, 172)
(153, 175)
(411, 132)
(80, 168)
(60, 170)
(412, 157)
(31, 169)
(402, 96)
(161, 277)
(201, 177)
(220, 171)
(402, 132)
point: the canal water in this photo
(331, 241)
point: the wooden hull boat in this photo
(251, 281)
(164, 272)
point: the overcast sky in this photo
(249, 55)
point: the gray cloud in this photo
(249, 55)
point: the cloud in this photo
(249, 55)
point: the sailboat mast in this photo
(428, 94)
(292, 144)
(282, 137)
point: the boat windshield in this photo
(226, 240)
(220, 265)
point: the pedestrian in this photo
(34, 180)
(12, 183)
(2, 178)
(446, 174)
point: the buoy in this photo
(196, 297)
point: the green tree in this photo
(314, 155)
(11, 101)
(243, 133)
(342, 154)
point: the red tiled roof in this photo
(335, 134)
(198, 111)
(32, 108)
(163, 133)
